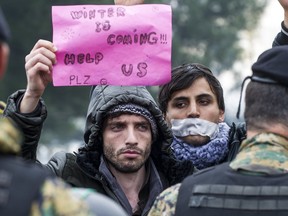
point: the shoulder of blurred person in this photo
(61, 199)
(99, 204)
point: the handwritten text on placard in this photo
(112, 44)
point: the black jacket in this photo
(232, 193)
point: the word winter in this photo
(100, 13)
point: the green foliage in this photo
(205, 31)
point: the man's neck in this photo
(131, 184)
(279, 129)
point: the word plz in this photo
(79, 80)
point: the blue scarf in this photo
(207, 155)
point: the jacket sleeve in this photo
(57, 162)
(282, 37)
(30, 124)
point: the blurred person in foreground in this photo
(27, 189)
(255, 182)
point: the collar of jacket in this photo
(265, 153)
(153, 182)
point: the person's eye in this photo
(143, 127)
(180, 105)
(117, 127)
(204, 102)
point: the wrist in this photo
(29, 102)
(33, 94)
(284, 28)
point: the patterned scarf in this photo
(207, 155)
(264, 153)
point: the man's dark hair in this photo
(265, 104)
(183, 77)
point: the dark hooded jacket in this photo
(87, 167)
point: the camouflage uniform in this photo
(165, 203)
(266, 153)
(57, 199)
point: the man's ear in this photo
(4, 56)
(221, 116)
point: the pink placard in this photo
(112, 44)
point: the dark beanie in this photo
(4, 28)
(138, 110)
(272, 66)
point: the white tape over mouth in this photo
(194, 126)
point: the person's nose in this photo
(131, 137)
(193, 111)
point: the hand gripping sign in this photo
(112, 44)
